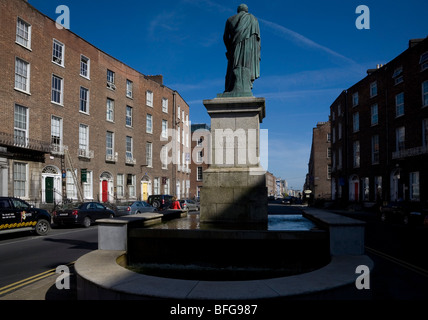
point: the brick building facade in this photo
(79, 124)
(318, 180)
(201, 137)
(380, 132)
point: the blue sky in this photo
(311, 51)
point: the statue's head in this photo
(243, 7)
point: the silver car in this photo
(189, 204)
(134, 207)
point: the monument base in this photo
(234, 190)
(233, 196)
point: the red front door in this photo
(104, 192)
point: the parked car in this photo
(160, 201)
(404, 212)
(84, 214)
(189, 204)
(134, 207)
(16, 215)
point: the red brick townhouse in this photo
(78, 124)
(379, 130)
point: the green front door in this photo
(49, 189)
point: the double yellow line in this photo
(402, 263)
(30, 280)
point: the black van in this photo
(17, 215)
(160, 201)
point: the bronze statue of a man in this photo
(242, 40)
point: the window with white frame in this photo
(87, 186)
(200, 156)
(424, 61)
(129, 88)
(182, 136)
(356, 121)
(83, 138)
(374, 114)
(166, 186)
(120, 186)
(355, 99)
(71, 186)
(400, 138)
(375, 149)
(356, 154)
(23, 33)
(164, 157)
(110, 146)
(58, 52)
(110, 110)
(156, 185)
(199, 174)
(178, 134)
(425, 94)
(20, 177)
(57, 90)
(20, 125)
(373, 89)
(378, 187)
(128, 116)
(164, 133)
(164, 105)
(149, 154)
(149, 99)
(85, 69)
(399, 104)
(366, 188)
(414, 186)
(84, 100)
(22, 75)
(56, 133)
(398, 75)
(132, 182)
(129, 149)
(110, 80)
(149, 123)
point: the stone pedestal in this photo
(234, 190)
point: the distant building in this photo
(200, 157)
(318, 180)
(379, 130)
(78, 124)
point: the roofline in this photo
(107, 54)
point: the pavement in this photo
(43, 289)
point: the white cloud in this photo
(302, 40)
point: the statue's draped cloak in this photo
(244, 47)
